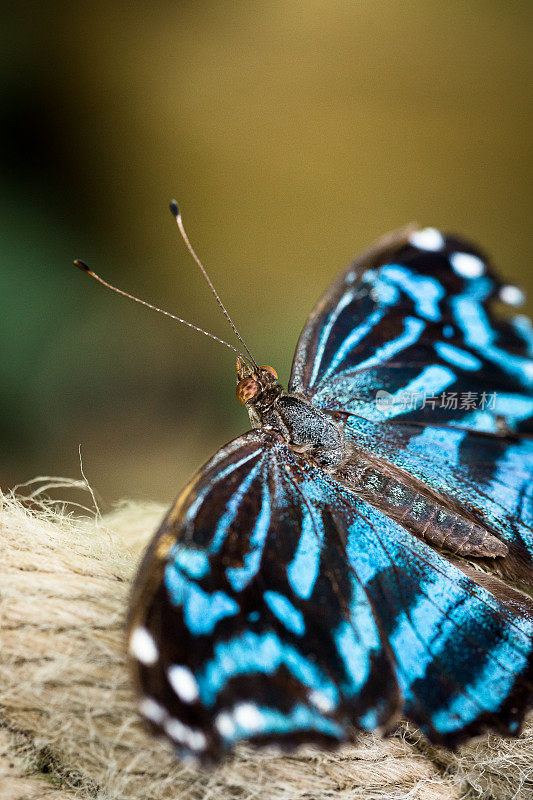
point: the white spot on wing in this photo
(197, 740)
(143, 647)
(321, 702)
(427, 239)
(225, 724)
(150, 709)
(194, 739)
(248, 716)
(183, 682)
(466, 265)
(512, 295)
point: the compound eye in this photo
(271, 370)
(247, 389)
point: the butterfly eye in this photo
(270, 370)
(247, 389)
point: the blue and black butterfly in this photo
(358, 557)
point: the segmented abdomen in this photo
(424, 516)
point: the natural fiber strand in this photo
(68, 723)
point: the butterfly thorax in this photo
(306, 429)
(309, 431)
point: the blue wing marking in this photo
(285, 611)
(444, 441)
(479, 335)
(303, 569)
(489, 688)
(424, 291)
(354, 653)
(193, 562)
(201, 611)
(430, 382)
(351, 341)
(239, 577)
(326, 330)
(260, 653)
(193, 508)
(511, 485)
(457, 356)
(264, 720)
(413, 328)
(228, 516)
(522, 325)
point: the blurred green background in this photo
(292, 134)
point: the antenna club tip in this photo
(81, 265)
(174, 209)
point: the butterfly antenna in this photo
(174, 210)
(83, 266)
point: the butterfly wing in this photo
(413, 317)
(224, 648)
(462, 647)
(274, 606)
(406, 347)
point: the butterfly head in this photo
(256, 388)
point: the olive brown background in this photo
(292, 134)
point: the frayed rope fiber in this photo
(68, 722)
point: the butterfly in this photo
(361, 554)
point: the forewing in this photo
(245, 621)
(412, 324)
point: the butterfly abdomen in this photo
(426, 517)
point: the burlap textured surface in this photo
(68, 724)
